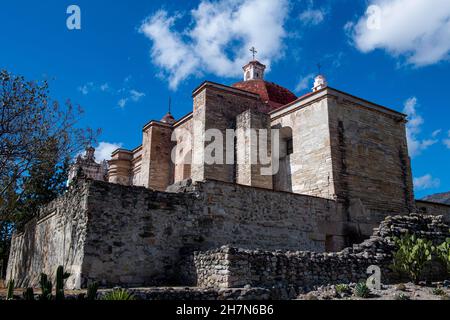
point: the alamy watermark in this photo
(73, 21)
(246, 146)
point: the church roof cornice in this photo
(156, 123)
(332, 92)
(218, 86)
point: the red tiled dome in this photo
(271, 93)
(168, 118)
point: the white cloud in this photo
(218, 38)
(447, 141)
(91, 86)
(426, 182)
(305, 82)
(86, 88)
(436, 133)
(105, 149)
(136, 95)
(133, 95)
(312, 16)
(104, 87)
(414, 128)
(418, 30)
(122, 103)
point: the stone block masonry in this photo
(432, 208)
(133, 236)
(230, 267)
(56, 237)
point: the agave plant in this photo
(362, 290)
(118, 294)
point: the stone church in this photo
(342, 167)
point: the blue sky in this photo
(130, 56)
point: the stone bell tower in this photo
(254, 70)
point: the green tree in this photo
(38, 136)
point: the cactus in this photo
(10, 290)
(412, 256)
(28, 295)
(46, 288)
(60, 277)
(92, 291)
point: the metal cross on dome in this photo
(253, 51)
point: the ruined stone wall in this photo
(433, 208)
(138, 236)
(56, 238)
(230, 267)
(371, 167)
(120, 235)
(133, 235)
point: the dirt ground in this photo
(406, 291)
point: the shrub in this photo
(438, 292)
(412, 255)
(118, 294)
(362, 290)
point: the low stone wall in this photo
(434, 208)
(231, 267)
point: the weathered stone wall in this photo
(309, 167)
(156, 165)
(371, 167)
(133, 235)
(183, 150)
(252, 127)
(433, 208)
(230, 267)
(56, 238)
(120, 235)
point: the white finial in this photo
(320, 82)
